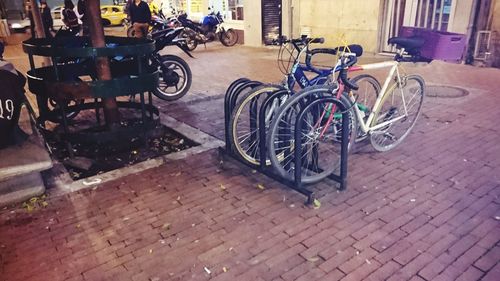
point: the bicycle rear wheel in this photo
(402, 105)
(321, 140)
(244, 133)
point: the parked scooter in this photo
(208, 30)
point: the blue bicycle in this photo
(243, 129)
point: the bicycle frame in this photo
(297, 73)
(394, 70)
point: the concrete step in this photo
(20, 167)
(22, 188)
(26, 158)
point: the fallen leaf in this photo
(34, 199)
(313, 259)
(260, 186)
(78, 226)
(92, 182)
(368, 262)
(45, 204)
(224, 269)
(316, 204)
(166, 226)
(222, 187)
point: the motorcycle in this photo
(208, 30)
(175, 74)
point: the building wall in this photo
(253, 22)
(355, 21)
(495, 36)
(463, 14)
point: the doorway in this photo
(432, 14)
(271, 20)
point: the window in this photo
(236, 9)
(434, 14)
(231, 9)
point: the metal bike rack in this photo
(297, 184)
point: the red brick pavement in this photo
(427, 210)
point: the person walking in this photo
(140, 16)
(70, 17)
(48, 23)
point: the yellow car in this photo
(113, 15)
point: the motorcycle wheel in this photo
(191, 41)
(228, 37)
(130, 32)
(175, 78)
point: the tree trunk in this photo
(39, 28)
(37, 18)
(93, 11)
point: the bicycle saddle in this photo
(411, 44)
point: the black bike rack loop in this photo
(342, 177)
(229, 103)
(232, 93)
(262, 124)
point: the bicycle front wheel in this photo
(244, 133)
(365, 97)
(398, 110)
(320, 134)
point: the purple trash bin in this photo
(439, 45)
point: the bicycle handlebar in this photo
(343, 73)
(302, 40)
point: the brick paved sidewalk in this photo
(428, 210)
